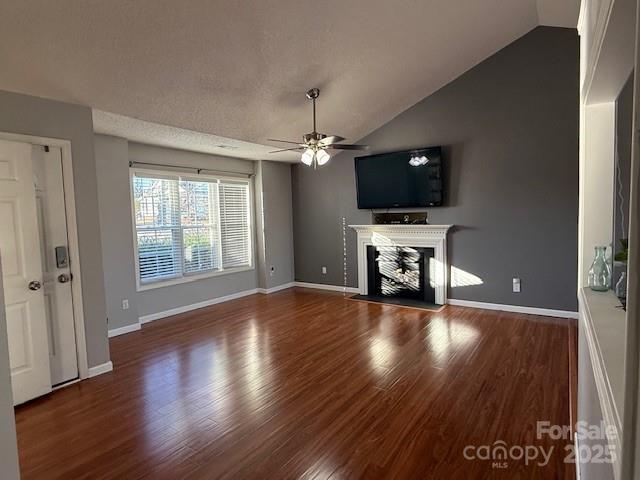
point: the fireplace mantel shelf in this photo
(403, 229)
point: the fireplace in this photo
(413, 263)
(396, 272)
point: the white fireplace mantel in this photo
(401, 235)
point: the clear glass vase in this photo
(621, 288)
(600, 271)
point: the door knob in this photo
(63, 278)
(34, 285)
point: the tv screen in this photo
(400, 179)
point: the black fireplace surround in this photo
(400, 275)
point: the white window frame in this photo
(189, 277)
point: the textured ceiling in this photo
(173, 137)
(240, 69)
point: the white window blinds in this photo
(157, 227)
(200, 230)
(187, 226)
(234, 224)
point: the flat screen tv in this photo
(400, 179)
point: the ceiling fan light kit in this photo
(307, 156)
(314, 145)
(322, 157)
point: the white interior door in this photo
(22, 274)
(54, 252)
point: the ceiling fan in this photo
(314, 145)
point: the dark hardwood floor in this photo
(309, 384)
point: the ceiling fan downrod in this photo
(312, 95)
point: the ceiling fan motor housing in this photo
(312, 138)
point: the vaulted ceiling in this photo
(239, 69)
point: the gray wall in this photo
(168, 156)
(8, 444)
(509, 128)
(166, 298)
(278, 223)
(115, 216)
(112, 166)
(47, 118)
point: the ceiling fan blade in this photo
(289, 150)
(330, 139)
(282, 141)
(346, 146)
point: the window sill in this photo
(191, 278)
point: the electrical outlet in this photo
(324, 270)
(125, 304)
(516, 285)
(272, 271)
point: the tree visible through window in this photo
(187, 226)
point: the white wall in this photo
(597, 183)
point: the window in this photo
(188, 226)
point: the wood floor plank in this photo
(308, 384)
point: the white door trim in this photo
(72, 232)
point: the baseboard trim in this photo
(66, 384)
(513, 308)
(324, 286)
(100, 369)
(194, 306)
(334, 288)
(576, 446)
(114, 332)
(284, 286)
(460, 303)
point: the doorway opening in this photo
(41, 271)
